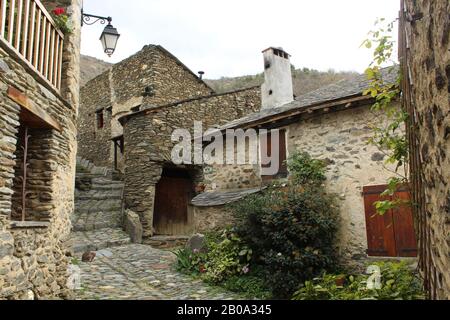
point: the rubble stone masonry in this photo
(151, 77)
(429, 66)
(148, 144)
(33, 255)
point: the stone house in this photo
(151, 77)
(156, 188)
(39, 84)
(130, 112)
(333, 123)
(152, 93)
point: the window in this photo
(390, 235)
(100, 119)
(266, 151)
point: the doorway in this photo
(172, 211)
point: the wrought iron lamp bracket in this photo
(91, 19)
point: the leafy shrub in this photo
(226, 258)
(251, 285)
(305, 170)
(291, 230)
(398, 282)
(190, 262)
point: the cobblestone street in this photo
(122, 270)
(139, 272)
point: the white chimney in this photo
(277, 89)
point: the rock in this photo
(6, 244)
(377, 157)
(133, 226)
(196, 243)
(4, 66)
(104, 253)
(88, 256)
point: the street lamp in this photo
(109, 36)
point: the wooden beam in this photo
(43, 118)
(299, 111)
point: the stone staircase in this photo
(97, 220)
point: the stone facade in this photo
(151, 77)
(428, 64)
(207, 219)
(33, 254)
(341, 140)
(148, 141)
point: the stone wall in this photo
(341, 139)
(95, 142)
(148, 144)
(33, 261)
(429, 67)
(220, 177)
(122, 88)
(207, 219)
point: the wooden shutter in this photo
(380, 230)
(266, 149)
(405, 237)
(390, 235)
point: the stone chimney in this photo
(277, 89)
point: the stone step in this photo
(97, 205)
(98, 196)
(103, 181)
(99, 239)
(166, 242)
(96, 221)
(111, 186)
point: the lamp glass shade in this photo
(109, 39)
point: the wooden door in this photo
(380, 230)
(171, 206)
(390, 235)
(266, 151)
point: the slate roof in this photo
(333, 92)
(220, 198)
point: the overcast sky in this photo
(226, 37)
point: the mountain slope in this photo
(91, 67)
(304, 80)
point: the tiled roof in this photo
(333, 92)
(220, 198)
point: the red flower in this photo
(59, 11)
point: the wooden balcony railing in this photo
(28, 29)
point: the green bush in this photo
(251, 285)
(398, 282)
(305, 170)
(292, 229)
(189, 262)
(225, 256)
